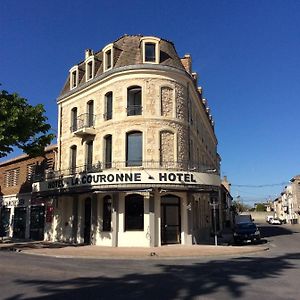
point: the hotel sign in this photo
(119, 178)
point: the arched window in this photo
(106, 213)
(134, 212)
(134, 101)
(73, 158)
(108, 106)
(108, 151)
(134, 148)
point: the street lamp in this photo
(214, 203)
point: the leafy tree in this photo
(22, 125)
(260, 207)
(240, 207)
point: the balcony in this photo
(134, 110)
(83, 125)
(119, 165)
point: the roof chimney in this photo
(187, 63)
(88, 53)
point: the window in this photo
(108, 57)
(107, 213)
(30, 172)
(90, 113)
(89, 155)
(151, 50)
(134, 212)
(134, 101)
(89, 68)
(73, 157)
(11, 177)
(108, 151)
(108, 106)
(74, 119)
(73, 77)
(134, 148)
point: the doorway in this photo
(19, 223)
(5, 222)
(170, 220)
(37, 221)
(87, 221)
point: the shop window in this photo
(134, 148)
(107, 209)
(108, 106)
(108, 151)
(134, 212)
(134, 101)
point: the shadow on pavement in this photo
(171, 281)
(274, 230)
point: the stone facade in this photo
(156, 103)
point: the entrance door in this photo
(19, 223)
(37, 219)
(4, 225)
(170, 220)
(87, 221)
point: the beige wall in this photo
(164, 102)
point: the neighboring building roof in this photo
(128, 52)
(25, 156)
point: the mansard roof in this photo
(127, 52)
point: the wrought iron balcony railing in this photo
(117, 165)
(83, 121)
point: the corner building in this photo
(137, 152)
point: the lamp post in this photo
(214, 204)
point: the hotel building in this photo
(137, 162)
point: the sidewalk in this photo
(100, 252)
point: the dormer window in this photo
(108, 54)
(151, 50)
(73, 77)
(89, 68)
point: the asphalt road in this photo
(273, 274)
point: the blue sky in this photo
(247, 55)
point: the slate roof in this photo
(127, 52)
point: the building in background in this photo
(137, 160)
(287, 205)
(23, 217)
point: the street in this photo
(272, 274)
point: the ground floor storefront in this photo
(22, 217)
(139, 218)
(137, 208)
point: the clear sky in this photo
(246, 52)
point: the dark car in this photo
(246, 232)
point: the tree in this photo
(239, 207)
(22, 125)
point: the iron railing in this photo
(134, 110)
(83, 121)
(117, 165)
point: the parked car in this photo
(246, 232)
(269, 219)
(275, 221)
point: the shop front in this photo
(137, 208)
